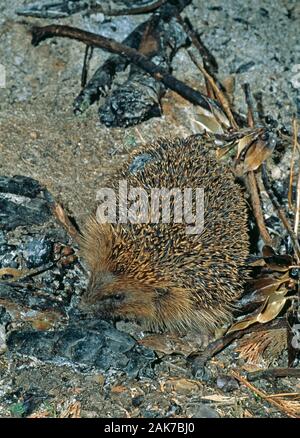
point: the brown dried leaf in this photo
(279, 263)
(274, 306)
(243, 143)
(268, 251)
(181, 386)
(208, 122)
(265, 313)
(245, 322)
(264, 287)
(258, 152)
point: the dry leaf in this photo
(118, 389)
(243, 143)
(181, 386)
(12, 273)
(265, 313)
(274, 305)
(256, 154)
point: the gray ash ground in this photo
(71, 156)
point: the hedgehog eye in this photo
(118, 297)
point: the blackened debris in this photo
(138, 98)
(20, 185)
(39, 292)
(15, 211)
(95, 344)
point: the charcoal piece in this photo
(138, 99)
(158, 38)
(20, 185)
(2, 238)
(65, 8)
(102, 79)
(54, 9)
(13, 215)
(96, 344)
(21, 202)
(132, 103)
(22, 296)
(37, 251)
(245, 67)
(5, 317)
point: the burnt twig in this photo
(218, 93)
(250, 114)
(273, 373)
(256, 206)
(86, 62)
(42, 33)
(128, 11)
(251, 177)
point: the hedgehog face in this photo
(117, 297)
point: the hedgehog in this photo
(156, 273)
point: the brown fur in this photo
(156, 273)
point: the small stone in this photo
(203, 411)
(276, 173)
(34, 135)
(227, 383)
(151, 414)
(137, 401)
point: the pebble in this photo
(227, 383)
(203, 411)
